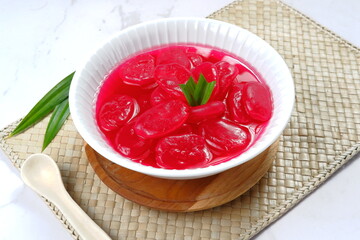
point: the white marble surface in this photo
(42, 41)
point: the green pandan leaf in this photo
(207, 92)
(191, 85)
(199, 89)
(58, 117)
(47, 104)
(197, 93)
(187, 92)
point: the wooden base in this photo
(181, 195)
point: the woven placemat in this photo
(323, 134)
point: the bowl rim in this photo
(176, 173)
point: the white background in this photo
(43, 41)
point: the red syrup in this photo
(144, 115)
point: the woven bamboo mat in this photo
(323, 134)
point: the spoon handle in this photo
(81, 222)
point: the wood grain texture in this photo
(181, 195)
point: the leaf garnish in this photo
(55, 100)
(57, 119)
(207, 92)
(47, 104)
(188, 90)
(199, 89)
(191, 85)
(197, 93)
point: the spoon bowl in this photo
(41, 173)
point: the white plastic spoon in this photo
(41, 173)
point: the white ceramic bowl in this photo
(258, 53)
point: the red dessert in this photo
(161, 119)
(146, 114)
(182, 151)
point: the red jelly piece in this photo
(143, 101)
(184, 129)
(235, 104)
(226, 75)
(169, 77)
(224, 136)
(257, 101)
(194, 58)
(173, 55)
(182, 152)
(159, 96)
(207, 69)
(215, 56)
(210, 73)
(131, 145)
(162, 119)
(139, 70)
(245, 77)
(117, 112)
(207, 111)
